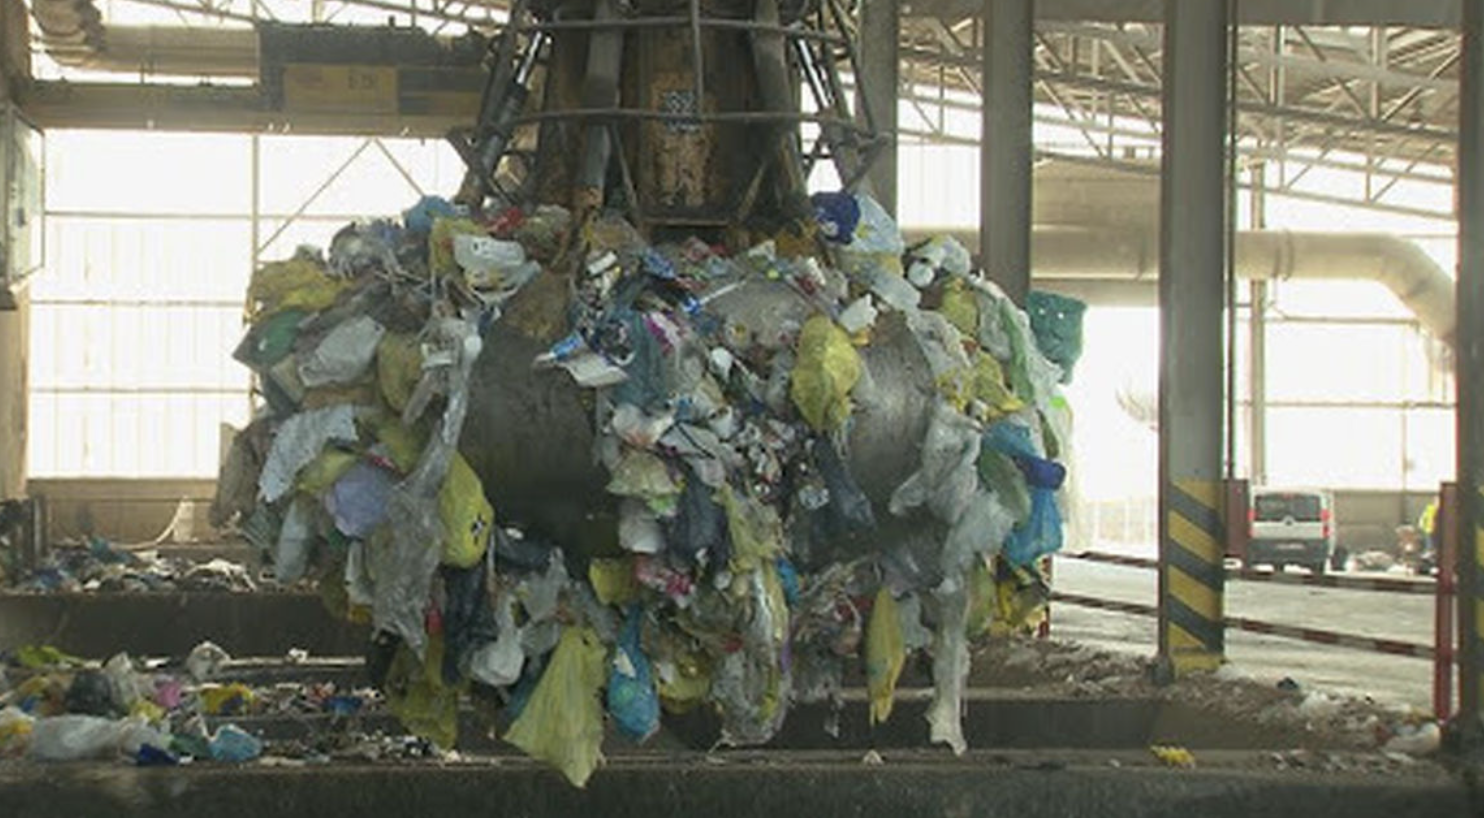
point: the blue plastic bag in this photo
(838, 213)
(1038, 536)
(632, 700)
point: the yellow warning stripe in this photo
(1193, 539)
(1195, 595)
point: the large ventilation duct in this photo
(1096, 233)
(1067, 258)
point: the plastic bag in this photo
(295, 539)
(562, 722)
(960, 306)
(298, 442)
(982, 528)
(16, 729)
(700, 527)
(270, 340)
(296, 283)
(344, 354)
(417, 696)
(885, 654)
(440, 244)
(358, 500)
(399, 361)
(950, 670)
(947, 480)
(1056, 321)
(632, 699)
(466, 513)
(755, 531)
(827, 368)
(999, 473)
(323, 471)
(233, 745)
(1039, 535)
(77, 738)
(838, 213)
(645, 476)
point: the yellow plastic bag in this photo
(644, 475)
(960, 308)
(417, 696)
(886, 652)
(323, 471)
(440, 244)
(989, 387)
(1172, 756)
(467, 515)
(232, 698)
(399, 361)
(562, 723)
(984, 599)
(613, 580)
(293, 283)
(827, 369)
(756, 531)
(402, 445)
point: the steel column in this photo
(1257, 367)
(880, 38)
(1191, 289)
(1469, 363)
(1005, 149)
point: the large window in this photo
(150, 246)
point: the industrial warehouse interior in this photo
(823, 407)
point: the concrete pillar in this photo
(1005, 149)
(1469, 363)
(14, 394)
(1191, 287)
(880, 36)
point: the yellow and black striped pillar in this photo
(1191, 575)
(1192, 262)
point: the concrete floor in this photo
(1388, 679)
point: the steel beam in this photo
(1469, 375)
(1192, 258)
(1257, 346)
(880, 36)
(1006, 149)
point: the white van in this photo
(1291, 527)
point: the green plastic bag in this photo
(885, 654)
(562, 723)
(827, 369)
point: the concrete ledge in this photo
(780, 785)
(100, 625)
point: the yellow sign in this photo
(340, 88)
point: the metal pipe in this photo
(1191, 261)
(1469, 375)
(599, 89)
(1130, 254)
(1005, 153)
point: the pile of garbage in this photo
(57, 707)
(101, 567)
(746, 569)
